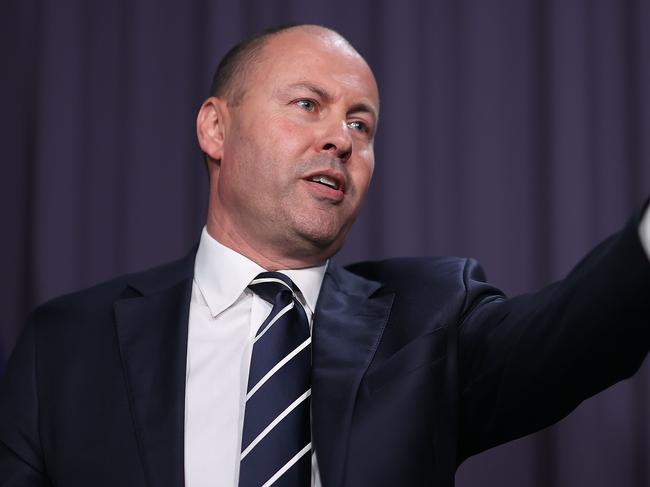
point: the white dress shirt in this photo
(224, 317)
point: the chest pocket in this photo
(415, 355)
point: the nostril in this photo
(340, 152)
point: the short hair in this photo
(229, 79)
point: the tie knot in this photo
(268, 285)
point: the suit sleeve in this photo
(526, 362)
(21, 462)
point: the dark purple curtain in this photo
(514, 131)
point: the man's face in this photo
(298, 150)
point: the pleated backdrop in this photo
(513, 131)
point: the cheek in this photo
(362, 172)
(287, 137)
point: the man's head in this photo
(289, 144)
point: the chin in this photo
(325, 243)
(323, 234)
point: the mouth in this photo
(328, 179)
(328, 185)
(324, 180)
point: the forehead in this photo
(320, 58)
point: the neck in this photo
(263, 255)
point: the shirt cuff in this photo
(644, 232)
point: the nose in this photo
(337, 141)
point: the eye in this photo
(308, 105)
(358, 125)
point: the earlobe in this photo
(211, 126)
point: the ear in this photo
(211, 125)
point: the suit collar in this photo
(349, 321)
(152, 333)
(165, 277)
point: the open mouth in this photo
(326, 181)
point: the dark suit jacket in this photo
(417, 364)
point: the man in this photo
(412, 364)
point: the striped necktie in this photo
(276, 440)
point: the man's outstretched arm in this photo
(528, 361)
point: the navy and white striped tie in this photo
(276, 441)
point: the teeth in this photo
(325, 180)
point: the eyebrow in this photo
(325, 95)
(317, 90)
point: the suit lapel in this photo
(348, 324)
(152, 334)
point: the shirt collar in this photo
(309, 281)
(223, 275)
